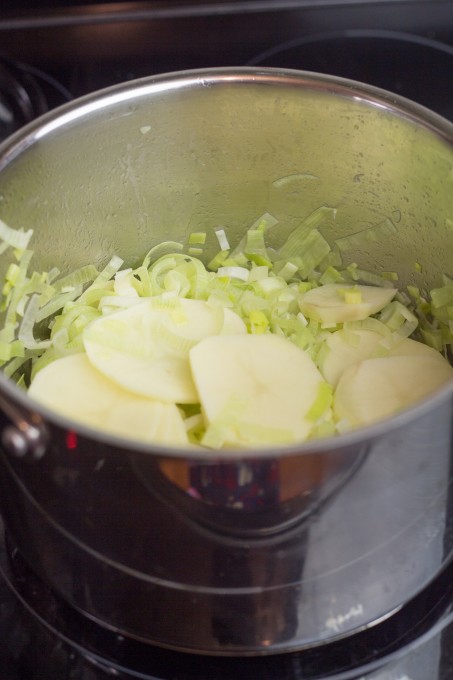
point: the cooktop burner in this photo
(43, 637)
(409, 65)
(413, 66)
(25, 93)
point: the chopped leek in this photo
(222, 239)
(322, 402)
(197, 238)
(14, 238)
(331, 314)
(363, 238)
(293, 244)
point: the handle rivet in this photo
(19, 443)
(14, 441)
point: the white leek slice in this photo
(72, 387)
(16, 238)
(145, 348)
(254, 389)
(329, 303)
(377, 388)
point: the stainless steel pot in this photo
(277, 549)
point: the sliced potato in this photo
(342, 353)
(346, 348)
(328, 304)
(163, 376)
(145, 347)
(72, 387)
(378, 388)
(258, 387)
(171, 429)
(409, 348)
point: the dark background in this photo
(95, 44)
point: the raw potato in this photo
(273, 382)
(342, 353)
(73, 388)
(327, 303)
(144, 348)
(408, 348)
(164, 376)
(171, 429)
(378, 388)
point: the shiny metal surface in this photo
(26, 434)
(416, 642)
(341, 540)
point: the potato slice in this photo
(171, 429)
(378, 388)
(342, 353)
(144, 348)
(72, 387)
(328, 304)
(162, 376)
(413, 348)
(258, 388)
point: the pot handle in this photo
(26, 434)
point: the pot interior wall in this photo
(124, 171)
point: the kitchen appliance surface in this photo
(74, 49)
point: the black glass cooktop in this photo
(72, 48)
(408, 65)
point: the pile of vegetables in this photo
(259, 347)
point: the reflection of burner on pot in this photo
(412, 66)
(251, 498)
(26, 93)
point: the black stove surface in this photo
(405, 46)
(43, 637)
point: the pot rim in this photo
(77, 109)
(87, 104)
(41, 417)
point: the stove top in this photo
(74, 47)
